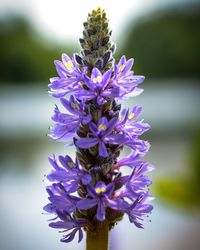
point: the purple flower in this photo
(136, 183)
(138, 144)
(125, 79)
(102, 135)
(60, 200)
(67, 124)
(139, 209)
(128, 124)
(70, 77)
(68, 173)
(132, 116)
(68, 67)
(97, 87)
(100, 195)
(67, 222)
(131, 158)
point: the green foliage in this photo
(183, 191)
(176, 191)
(23, 57)
(166, 44)
(195, 157)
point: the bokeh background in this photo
(164, 39)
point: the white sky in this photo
(62, 19)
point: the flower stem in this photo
(98, 240)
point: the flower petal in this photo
(110, 188)
(80, 235)
(102, 149)
(86, 203)
(100, 211)
(86, 178)
(86, 142)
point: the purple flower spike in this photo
(92, 188)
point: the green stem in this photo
(98, 240)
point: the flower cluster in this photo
(91, 188)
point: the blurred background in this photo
(164, 39)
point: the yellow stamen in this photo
(69, 65)
(121, 68)
(97, 79)
(100, 190)
(102, 127)
(103, 189)
(75, 106)
(71, 164)
(131, 116)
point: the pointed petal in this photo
(60, 68)
(93, 128)
(91, 191)
(86, 142)
(80, 235)
(117, 204)
(69, 237)
(110, 189)
(86, 178)
(100, 100)
(115, 139)
(61, 225)
(128, 66)
(112, 92)
(86, 203)
(53, 162)
(106, 78)
(95, 73)
(86, 119)
(103, 121)
(69, 105)
(111, 125)
(122, 61)
(100, 211)
(102, 149)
